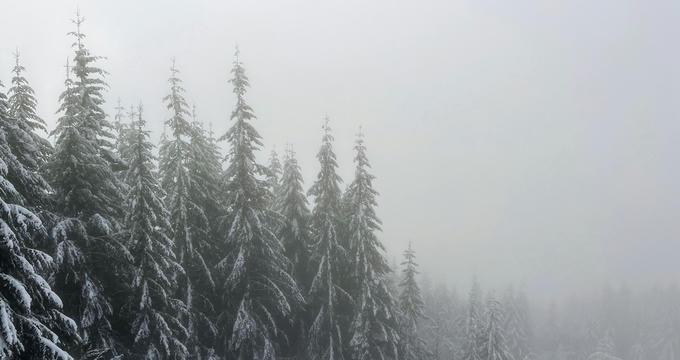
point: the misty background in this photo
(526, 142)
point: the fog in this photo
(528, 142)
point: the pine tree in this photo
(156, 331)
(119, 126)
(22, 107)
(89, 256)
(294, 233)
(274, 176)
(410, 299)
(255, 284)
(32, 324)
(84, 186)
(188, 221)
(472, 349)
(293, 206)
(374, 327)
(205, 169)
(517, 328)
(30, 149)
(493, 341)
(327, 255)
(411, 305)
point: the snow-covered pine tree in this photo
(22, 107)
(32, 325)
(410, 300)
(29, 147)
(493, 343)
(411, 305)
(89, 255)
(204, 166)
(294, 207)
(256, 288)
(472, 348)
(294, 233)
(374, 331)
(84, 186)
(156, 332)
(516, 326)
(196, 288)
(326, 295)
(274, 177)
(118, 125)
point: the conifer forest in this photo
(137, 227)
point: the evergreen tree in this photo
(30, 149)
(374, 327)
(472, 349)
(517, 327)
(256, 286)
(205, 169)
(327, 255)
(274, 176)
(188, 221)
(32, 324)
(156, 331)
(89, 256)
(22, 107)
(411, 304)
(410, 299)
(84, 186)
(295, 231)
(295, 236)
(119, 125)
(493, 341)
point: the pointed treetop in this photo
(79, 20)
(16, 57)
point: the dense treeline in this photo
(111, 248)
(618, 324)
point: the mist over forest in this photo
(343, 180)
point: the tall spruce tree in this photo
(89, 256)
(256, 287)
(494, 345)
(411, 305)
(326, 294)
(188, 223)
(205, 169)
(472, 347)
(517, 328)
(118, 125)
(374, 327)
(294, 207)
(156, 331)
(411, 302)
(32, 324)
(22, 107)
(27, 145)
(274, 177)
(294, 233)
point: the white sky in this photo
(532, 142)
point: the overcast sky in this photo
(528, 142)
